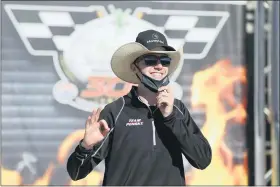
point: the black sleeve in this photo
(81, 162)
(194, 145)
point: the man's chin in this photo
(156, 78)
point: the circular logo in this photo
(90, 82)
(155, 36)
(86, 62)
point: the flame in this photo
(10, 177)
(94, 178)
(68, 142)
(45, 179)
(211, 89)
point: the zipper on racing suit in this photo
(153, 122)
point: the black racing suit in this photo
(143, 147)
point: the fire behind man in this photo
(143, 134)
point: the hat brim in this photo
(128, 53)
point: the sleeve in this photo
(194, 145)
(81, 162)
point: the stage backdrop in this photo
(56, 69)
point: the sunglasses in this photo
(152, 60)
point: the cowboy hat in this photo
(145, 42)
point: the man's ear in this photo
(133, 68)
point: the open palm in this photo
(95, 131)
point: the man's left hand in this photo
(165, 100)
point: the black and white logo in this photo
(155, 36)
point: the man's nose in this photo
(158, 65)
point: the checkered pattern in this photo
(198, 29)
(49, 30)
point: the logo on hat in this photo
(155, 36)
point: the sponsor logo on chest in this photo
(134, 122)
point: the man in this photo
(143, 134)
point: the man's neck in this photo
(146, 96)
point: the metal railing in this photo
(259, 96)
(266, 66)
(274, 82)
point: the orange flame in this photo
(94, 178)
(45, 179)
(211, 89)
(10, 177)
(66, 145)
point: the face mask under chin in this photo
(153, 84)
(150, 83)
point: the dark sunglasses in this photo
(152, 60)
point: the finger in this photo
(88, 121)
(104, 124)
(163, 88)
(162, 101)
(158, 98)
(167, 89)
(105, 132)
(164, 94)
(92, 116)
(96, 116)
(159, 101)
(159, 105)
(162, 98)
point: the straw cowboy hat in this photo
(145, 42)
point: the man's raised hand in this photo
(95, 131)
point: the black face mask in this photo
(152, 84)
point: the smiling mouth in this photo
(156, 74)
